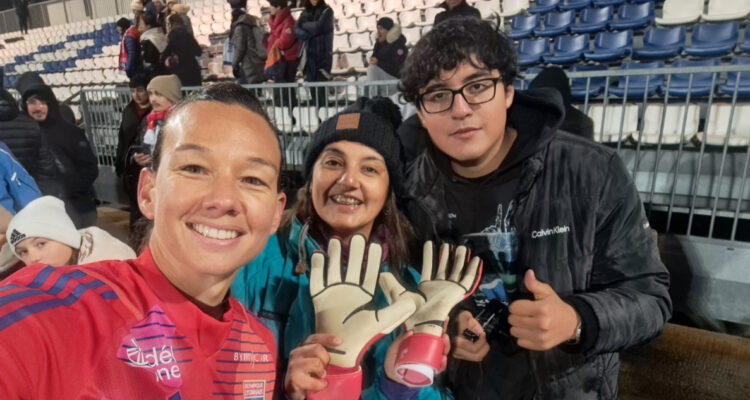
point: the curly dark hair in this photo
(452, 43)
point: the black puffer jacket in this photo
(604, 261)
(24, 138)
(315, 28)
(462, 10)
(391, 54)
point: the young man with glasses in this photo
(572, 274)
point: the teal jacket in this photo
(269, 287)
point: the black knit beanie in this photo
(362, 127)
(385, 23)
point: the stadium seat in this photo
(578, 86)
(488, 9)
(638, 85)
(282, 119)
(568, 49)
(670, 130)
(531, 51)
(411, 5)
(391, 5)
(662, 43)
(306, 119)
(412, 35)
(605, 3)
(367, 23)
(573, 4)
(744, 84)
(592, 20)
(341, 42)
(430, 13)
(509, 8)
(373, 8)
(701, 85)
(745, 45)
(522, 26)
(361, 41)
(726, 10)
(678, 12)
(615, 123)
(410, 18)
(543, 6)
(348, 24)
(633, 16)
(611, 46)
(717, 126)
(712, 40)
(556, 23)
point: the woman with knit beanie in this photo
(354, 171)
(42, 233)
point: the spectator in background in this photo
(163, 93)
(130, 61)
(315, 29)
(76, 163)
(283, 49)
(181, 52)
(153, 42)
(129, 142)
(161, 14)
(17, 187)
(246, 36)
(174, 7)
(575, 122)
(22, 11)
(456, 9)
(25, 140)
(42, 233)
(389, 53)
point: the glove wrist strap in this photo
(343, 384)
(419, 356)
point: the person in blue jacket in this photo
(354, 170)
(17, 187)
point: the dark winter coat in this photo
(391, 54)
(602, 260)
(128, 135)
(180, 53)
(24, 138)
(315, 28)
(462, 10)
(249, 53)
(153, 44)
(75, 161)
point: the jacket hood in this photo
(45, 93)
(281, 16)
(394, 34)
(28, 80)
(246, 19)
(8, 106)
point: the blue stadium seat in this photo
(611, 46)
(633, 16)
(531, 51)
(522, 26)
(543, 6)
(573, 4)
(604, 3)
(556, 23)
(679, 85)
(637, 85)
(593, 20)
(578, 90)
(745, 46)
(662, 43)
(744, 88)
(712, 40)
(568, 49)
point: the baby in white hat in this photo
(42, 232)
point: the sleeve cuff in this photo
(589, 325)
(395, 390)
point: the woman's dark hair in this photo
(225, 93)
(451, 43)
(175, 21)
(308, 4)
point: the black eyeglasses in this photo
(475, 92)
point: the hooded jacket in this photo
(462, 10)
(581, 226)
(24, 138)
(180, 53)
(75, 162)
(249, 53)
(391, 54)
(315, 28)
(280, 37)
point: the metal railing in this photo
(688, 155)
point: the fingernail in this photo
(337, 341)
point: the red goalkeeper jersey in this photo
(119, 330)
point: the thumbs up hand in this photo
(544, 322)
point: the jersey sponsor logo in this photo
(560, 229)
(251, 356)
(149, 346)
(253, 390)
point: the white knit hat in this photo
(44, 217)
